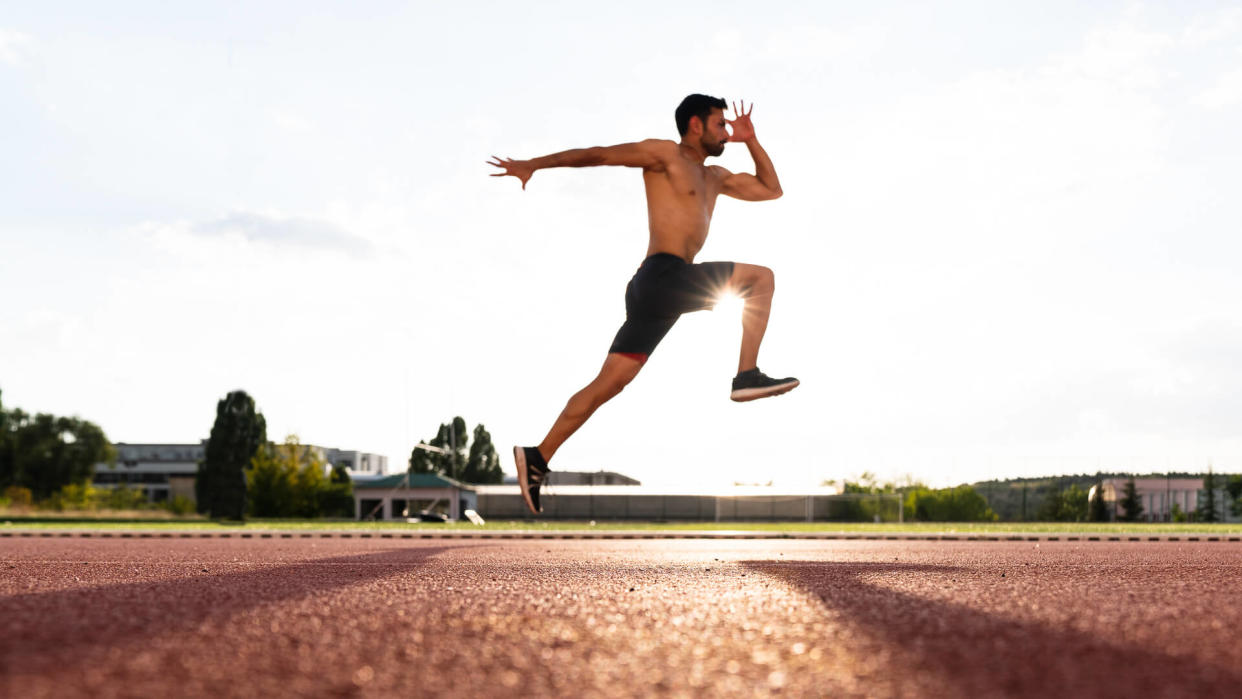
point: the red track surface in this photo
(606, 618)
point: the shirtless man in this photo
(681, 195)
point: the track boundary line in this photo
(620, 534)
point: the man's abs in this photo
(685, 246)
(679, 212)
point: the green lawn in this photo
(13, 522)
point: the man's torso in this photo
(680, 199)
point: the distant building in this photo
(165, 471)
(1159, 495)
(583, 478)
(407, 495)
(162, 471)
(615, 502)
(357, 464)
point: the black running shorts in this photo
(664, 287)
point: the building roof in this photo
(721, 492)
(1163, 484)
(417, 480)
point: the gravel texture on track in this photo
(290, 617)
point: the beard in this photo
(714, 148)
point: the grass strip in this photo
(1152, 529)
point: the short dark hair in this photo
(696, 105)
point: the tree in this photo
(1067, 505)
(270, 482)
(337, 499)
(483, 464)
(1234, 488)
(469, 461)
(288, 480)
(451, 436)
(960, 504)
(865, 483)
(1098, 511)
(1131, 502)
(5, 467)
(1207, 509)
(236, 436)
(45, 453)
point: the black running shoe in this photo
(532, 470)
(752, 384)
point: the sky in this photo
(1008, 243)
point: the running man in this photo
(681, 195)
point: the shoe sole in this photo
(519, 458)
(743, 395)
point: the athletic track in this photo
(373, 617)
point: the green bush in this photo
(288, 480)
(1068, 505)
(84, 497)
(179, 505)
(17, 496)
(960, 504)
(121, 497)
(75, 496)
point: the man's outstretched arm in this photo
(762, 185)
(649, 155)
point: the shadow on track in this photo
(65, 622)
(969, 652)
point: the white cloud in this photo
(1226, 92)
(281, 231)
(1209, 29)
(293, 123)
(1123, 55)
(13, 46)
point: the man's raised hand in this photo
(743, 130)
(520, 169)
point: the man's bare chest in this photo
(691, 187)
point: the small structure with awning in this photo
(403, 496)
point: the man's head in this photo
(701, 118)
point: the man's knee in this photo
(617, 373)
(767, 278)
(623, 379)
(757, 280)
(615, 387)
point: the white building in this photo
(1159, 496)
(406, 495)
(164, 471)
(358, 464)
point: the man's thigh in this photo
(699, 286)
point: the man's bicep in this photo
(644, 154)
(747, 187)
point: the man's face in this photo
(715, 133)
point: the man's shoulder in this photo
(663, 146)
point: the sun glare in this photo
(730, 303)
